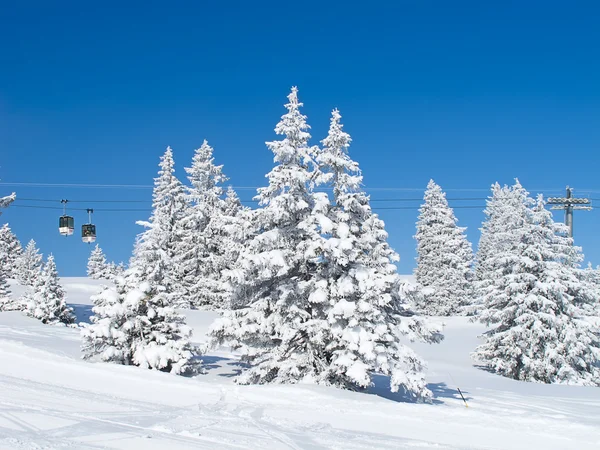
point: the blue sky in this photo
(466, 93)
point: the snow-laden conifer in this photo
(28, 265)
(158, 244)
(318, 309)
(10, 250)
(363, 301)
(206, 229)
(538, 333)
(278, 323)
(106, 337)
(97, 267)
(444, 257)
(46, 302)
(135, 322)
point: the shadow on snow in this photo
(381, 388)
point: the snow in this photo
(53, 399)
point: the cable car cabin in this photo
(88, 233)
(66, 225)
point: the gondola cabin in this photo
(88, 233)
(66, 225)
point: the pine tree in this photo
(307, 311)
(47, 300)
(444, 257)
(28, 265)
(10, 250)
(97, 267)
(158, 244)
(364, 301)
(201, 257)
(135, 322)
(538, 334)
(106, 336)
(277, 272)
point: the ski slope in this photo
(51, 399)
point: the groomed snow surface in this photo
(50, 398)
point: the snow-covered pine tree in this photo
(97, 267)
(538, 334)
(493, 239)
(367, 318)
(582, 289)
(201, 256)
(277, 278)
(47, 300)
(28, 265)
(444, 258)
(10, 248)
(135, 323)
(105, 336)
(158, 244)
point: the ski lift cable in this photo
(367, 188)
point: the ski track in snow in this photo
(51, 399)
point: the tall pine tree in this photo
(202, 256)
(444, 258)
(367, 318)
(276, 280)
(538, 334)
(156, 247)
(135, 322)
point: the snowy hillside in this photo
(50, 398)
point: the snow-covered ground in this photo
(50, 398)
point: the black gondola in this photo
(66, 224)
(88, 230)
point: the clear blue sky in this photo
(467, 93)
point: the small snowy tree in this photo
(444, 257)
(97, 267)
(105, 337)
(538, 334)
(10, 250)
(134, 324)
(47, 300)
(28, 265)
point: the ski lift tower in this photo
(569, 204)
